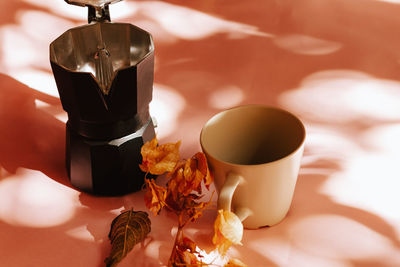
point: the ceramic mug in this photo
(254, 152)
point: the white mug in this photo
(254, 152)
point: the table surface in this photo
(333, 63)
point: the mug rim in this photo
(303, 130)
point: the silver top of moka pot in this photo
(98, 9)
(100, 48)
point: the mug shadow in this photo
(308, 202)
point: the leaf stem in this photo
(178, 236)
(207, 204)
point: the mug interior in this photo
(252, 134)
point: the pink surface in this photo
(334, 63)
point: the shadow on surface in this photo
(29, 137)
(253, 65)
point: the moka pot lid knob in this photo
(98, 9)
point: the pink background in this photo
(334, 63)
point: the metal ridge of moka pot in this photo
(104, 74)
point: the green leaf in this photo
(127, 229)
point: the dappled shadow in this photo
(268, 69)
(29, 137)
(266, 52)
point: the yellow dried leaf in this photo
(159, 159)
(185, 253)
(228, 230)
(181, 195)
(154, 197)
(203, 168)
(189, 174)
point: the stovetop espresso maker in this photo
(104, 75)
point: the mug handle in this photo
(226, 194)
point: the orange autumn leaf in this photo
(193, 177)
(159, 159)
(188, 175)
(174, 187)
(176, 183)
(181, 194)
(185, 243)
(228, 230)
(186, 254)
(202, 166)
(154, 197)
(184, 258)
(196, 171)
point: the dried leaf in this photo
(159, 159)
(235, 263)
(195, 209)
(176, 181)
(185, 253)
(187, 244)
(188, 175)
(154, 197)
(228, 230)
(127, 229)
(184, 258)
(181, 195)
(203, 168)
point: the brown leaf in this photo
(127, 229)
(154, 197)
(159, 159)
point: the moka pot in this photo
(104, 75)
